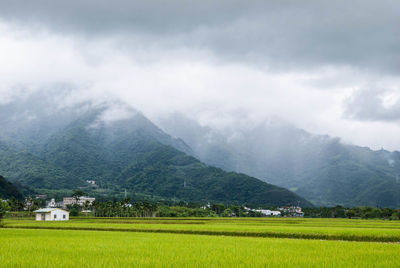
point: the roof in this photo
(47, 210)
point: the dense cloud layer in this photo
(327, 66)
(374, 104)
(276, 34)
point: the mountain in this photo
(320, 168)
(9, 190)
(102, 141)
(27, 122)
(170, 173)
(30, 170)
(122, 150)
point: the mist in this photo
(325, 68)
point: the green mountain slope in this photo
(32, 171)
(93, 148)
(167, 172)
(133, 154)
(9, 190)
(323, 170)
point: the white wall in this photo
(50, 216)
(39, 216)
(59, 215)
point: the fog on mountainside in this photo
(320, 168)
(51, 148)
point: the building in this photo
(265, 212)
(69, 201)
(28, 203)
(51, 214)
(52, 203)
(92, 182)
(292, 211)
(268, 212)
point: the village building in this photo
(53, 204)
(92, 182)
(51, 214)
(268, 212)
(265, 212)
(69, 201)
(28, 203)
(292, 211)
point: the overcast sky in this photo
(330, 67)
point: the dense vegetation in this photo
(356, 212)
(299, 228)
(57, 149)
(131, 154)
(148, 209)
(32, 171)
(3, 210)
(321, 169)
(170, 173)
(9, 190)
(32, 248)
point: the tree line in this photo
(148, 209)
(126, 208)
(355, 212)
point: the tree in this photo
(227, 213)
(3, 209)
(77, 194)
(218, 208)
(86, 205)
(16, 205)
(74, 210)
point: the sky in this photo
(329, 67)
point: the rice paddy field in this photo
(216, 242)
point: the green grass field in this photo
(112, 247)
(60, 248)
(327, 229)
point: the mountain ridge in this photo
(320, 168)
(108, 142)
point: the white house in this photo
(268, 212)
(265, 212)
(52, 203)
(81, 200)
(51, 214)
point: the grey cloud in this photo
(368, 104)
(275, 34)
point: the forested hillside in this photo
(322, 169)
(32, 171)
(122, 150)
(8, 190)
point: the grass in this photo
(66, 248)
(327, 229)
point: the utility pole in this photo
(398, 189)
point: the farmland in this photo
(327, 229)
(185, 242)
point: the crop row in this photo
(298, 235)
(71, 248)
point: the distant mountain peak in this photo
(320, 168)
